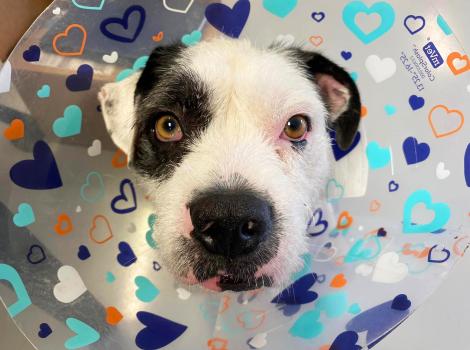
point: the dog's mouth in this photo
(226, 282)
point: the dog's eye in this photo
(167, 129)
(296, 128)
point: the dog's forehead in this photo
(266, 79)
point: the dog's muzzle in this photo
(231, 223)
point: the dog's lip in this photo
(226, 282)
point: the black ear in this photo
(339, 92)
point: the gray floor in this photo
(442, 323)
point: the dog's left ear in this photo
(340, 94)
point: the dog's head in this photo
(232, 143)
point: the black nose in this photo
(231, 223)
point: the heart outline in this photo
(64, 34)
(448, 111)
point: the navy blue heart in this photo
(377, 320)
(381, 232)
(126, 256)
(393, 186)
(318, 16)
(416, 102)
(44, 330)
(337, 151)
(346, 55)
(128, 34)
(298, 293)
(40, 173)
(466, 165)
(122, 198)
(158, 331)
(401, 303)
(346, 341)
(82, 80)
(156, 266)
(434, 260)
(36, 254)
(415, 152)
(319, 226)
(32, 54)
(229, 21)
(83, 252)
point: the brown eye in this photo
(167, 129)
(296, 128)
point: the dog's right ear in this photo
(117, 107)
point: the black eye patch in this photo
(175, 90)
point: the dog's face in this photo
(233, 146)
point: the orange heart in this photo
(119, 159)
(316, 40)
(96, 222)
(339, 281)
(363, 111)
(324, 347)
(158, 37)
(461, 58)
(217, 344)
(345, 221)
(374, 205)
(254, 315)
(449, 112)
(15, 131)
(64, 34)
(64, 225)
(113, 316)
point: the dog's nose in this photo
(231, 223)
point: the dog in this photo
(232, 142)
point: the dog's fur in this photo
(233, 101)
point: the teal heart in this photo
(307, 326)
(87, 7)
(354, 76)
(149, 235)
(94, 181)
(355, 309)
(443, 25)
(280, 8)
(334, 304)
(359, 252)
(138, 64)
(382, 8)
(23, 301)
(70, 124)
(85, 335)
(377, 156)
(146, 290)
(390, 110)
(192, 39)
(25, 215)
(110, 278)
(44, 91)
(441, 213)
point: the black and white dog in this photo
(232, 142)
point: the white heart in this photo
(380, 69)
(78, 209)
(284, 40)
(95, 148)
(258, 341)
(364, 270)
(172, 9)
(5, 77)
(56, 11)
(468, 88)
(389, 269)
(441, 172)
(70, 286)
(183, 294)
(112, 58)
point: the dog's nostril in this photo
(231, 223)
